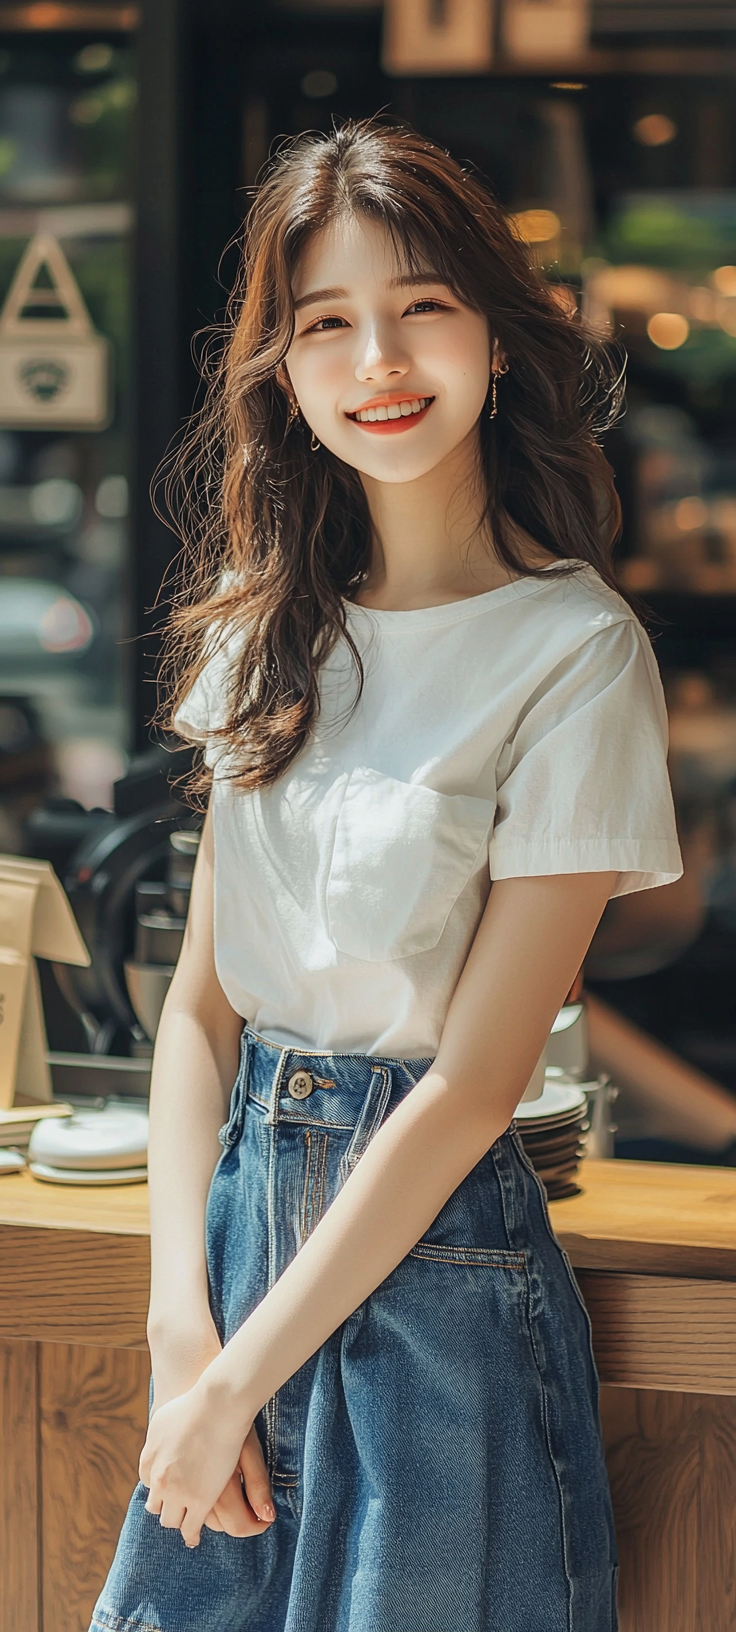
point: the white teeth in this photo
(394, 410)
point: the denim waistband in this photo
(299, 1085)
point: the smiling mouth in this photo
(389, 417)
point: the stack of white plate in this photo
(99, 1145)
(552, 1130)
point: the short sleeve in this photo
(582, 783)
(205, 708)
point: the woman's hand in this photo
(192, 1463)
(179, 1358)
(245, 1507)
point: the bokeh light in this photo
(690, 513)
(724, 280)
(668, 330)
(655, 130)
(536, 226)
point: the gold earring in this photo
(503, 368)
(314, 444)
(293, 413)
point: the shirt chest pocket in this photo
(402, 855)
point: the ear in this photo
(284, 382)
(498, 358)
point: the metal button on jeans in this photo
(300, 1085)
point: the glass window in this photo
(66, 113)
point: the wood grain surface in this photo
(662, 1333)
(115, 1209)
(19, 1460)
(74, 1286)
(651, 1217)
(93, 1412)
(672, 1466)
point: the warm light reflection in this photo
(702, 304)
(655, 130)
(47, 17)
(536, 226)
(668, 330)
(565, 297)
(632, 288)
(724, 280)
(690, 513)
(727, 317)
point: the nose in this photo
(381, 357)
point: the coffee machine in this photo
(127, 873)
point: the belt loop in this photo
(273, 1109)
(371, 1116)
(232, 1132)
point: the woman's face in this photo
(390, 373)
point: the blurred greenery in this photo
(707, 355)
(102, 121)
(66, 120)
(688, 232)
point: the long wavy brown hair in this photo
(277, 537)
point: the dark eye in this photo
(425, 306)
(325, 323)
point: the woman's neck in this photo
(431, 543)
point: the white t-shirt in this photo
(520, 732)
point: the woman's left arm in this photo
(531, 941)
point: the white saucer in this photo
(558, 1099)
(70, 1175)
(112, 1137)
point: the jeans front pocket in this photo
(436, 1252)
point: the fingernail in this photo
(268, 1511)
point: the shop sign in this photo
(546, 33)
(36, 920)
(438, 36)
(54, 369)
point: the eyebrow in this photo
(406, 280)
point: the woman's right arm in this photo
(195, 1063)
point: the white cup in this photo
(535, 1086)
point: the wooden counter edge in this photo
(669, 1333)
(672, 1258)
(74, 1286)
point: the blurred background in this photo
(129, 139)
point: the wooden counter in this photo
(654, 1249)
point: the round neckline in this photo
(469, 606)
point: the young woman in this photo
(436, 738)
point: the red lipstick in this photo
(399, 422)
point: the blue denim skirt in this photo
(437, 1465)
